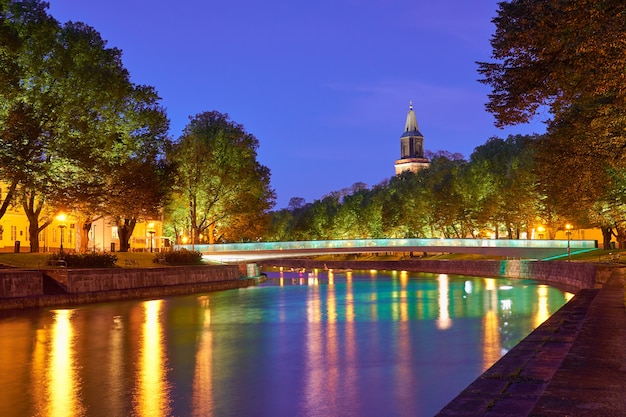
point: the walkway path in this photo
(574, 364)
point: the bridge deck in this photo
(527, 249)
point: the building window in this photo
(13, 233)
(114, 233)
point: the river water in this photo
(362, 343)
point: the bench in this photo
(131, 262)
(57, 262)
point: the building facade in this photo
(62, 232)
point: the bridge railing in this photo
(390, 243)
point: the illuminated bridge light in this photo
(531, 248)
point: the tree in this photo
(218, 179)
(568, 57)
(503, 188)
(69, 114)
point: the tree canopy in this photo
(221, 192)
(569, 57)
(70, 117)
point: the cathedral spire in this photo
(411, 122)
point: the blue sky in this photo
(324, 85)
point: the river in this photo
(348, 343)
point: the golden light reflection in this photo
(319, 386)
(491, 339)
(443, 321)
(542, 305)
(152, 393)
(116, 368)
(63, 381)
(202, 396)
(491, 332)
(404, 278)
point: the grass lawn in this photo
(39, 260)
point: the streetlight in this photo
(151, 232)
(568, 231)
(61, 218)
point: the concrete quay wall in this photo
(94, 280)
(27, 289)
(573, 275)
(74, 299)
(20, 283)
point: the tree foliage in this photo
(495, 193)
(220, 184)
(70, 117)
(568, 57)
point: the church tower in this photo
(411, 146)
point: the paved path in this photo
(574, 364)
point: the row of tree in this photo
(502, 191)
(77, 135)
(493, 194)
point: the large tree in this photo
(224, 189)
(569, 57)
(70, 117)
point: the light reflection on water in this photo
(350, 343)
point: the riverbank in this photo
(574, 364)
(569, 276)
(20, 289)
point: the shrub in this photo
(86, 260)
(179, 257)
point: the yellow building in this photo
(62, 232)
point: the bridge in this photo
(522, 249)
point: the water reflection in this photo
(152, 391)
(350, 343)
(203, 373)
(444, 321)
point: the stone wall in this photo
(20, 283)
(573, 275)
(92, 280)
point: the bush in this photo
(179, 257)
(85, 260)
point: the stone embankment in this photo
(67, 287)
(571, 276)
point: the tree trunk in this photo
(84, 227)
(620, 235)
(32, 208)
(607, 234)
(33, 233)
(125, 231)
(211, 233)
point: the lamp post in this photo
(151, 232)
(61, 218)
(568, 231)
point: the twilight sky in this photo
(324, 85)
